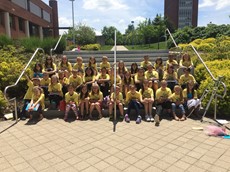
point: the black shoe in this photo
(111, 118)
(23, 118)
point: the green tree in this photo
(109, 32)
(83, 34)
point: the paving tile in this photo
(132, 169)
(81, 166)
(110, 169)
(152, 168)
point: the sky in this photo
(120, 13)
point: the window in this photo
(12, 22)
(1, 18)
(21, 24)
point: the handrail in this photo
(210, 73)
(20, 76)
(174, 42)
(53, 49)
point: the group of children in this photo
(85, 87)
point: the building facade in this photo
(27, 18)
(181, 13)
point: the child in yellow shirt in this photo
(71, 99)
(37, 102)
(95, 100)
(177, 102)
(119, 103)
(133, 99)
(84, 101)
(147, 99)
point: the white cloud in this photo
(121, 21)
(217, 4)
(104, 5)
(139, 19)
(63, 21)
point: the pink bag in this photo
(215, 131)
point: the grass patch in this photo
(106, 47)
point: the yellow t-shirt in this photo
(94, 66)
(64, 81)
(175, 97)
(106, 65)
(99, 76)
(147, 93)
(185, 63)
(158, 66)
(96, 97)
(54, 67)
(75, 81)
(145, 65)
(73, 97)
(131, 82)
(40, 99)
(189, 96)
(29, 91)
(140, 78)
(67, 66)
(45, 82)
(118, 97)
(131, 96)
(183, 79)
(163, 93)
(170, 76)
(174, 62)
(89, 78)
(55, 88)
(118, 79)
(153, 74)
(77, 66)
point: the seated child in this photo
(84, 101)
(37, 102)
(133, 99)
(147, 99)
(95, 100)
(71, 99)
(177, 102)
(162, 100)
(119, 103)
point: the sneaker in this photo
(157, 120)
(147, 118)
(127, 118)
(138, 121)
(121, 118)
(151, 118)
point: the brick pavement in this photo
(55, 145)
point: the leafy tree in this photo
(83, 34)
(109, 32)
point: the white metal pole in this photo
(115, 73)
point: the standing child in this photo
(171, 77)
(55, 91)
(71, 99)
(177, 102)
(147, 99)
(84, 101)
(37, 102)
(133, 99)
(103, 80)
(63, 80)
(119, 103)
(159, 67)
(95, 100)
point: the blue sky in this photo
(120, 13)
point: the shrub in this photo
(4, 40)
(218, 68)
(3, 103)
(91, 47)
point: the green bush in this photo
(218, 68)
(91, 47)
(3, 103)
(4, 40)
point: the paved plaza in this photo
(55, 145)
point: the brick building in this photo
(26, 18)
(181, 13)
